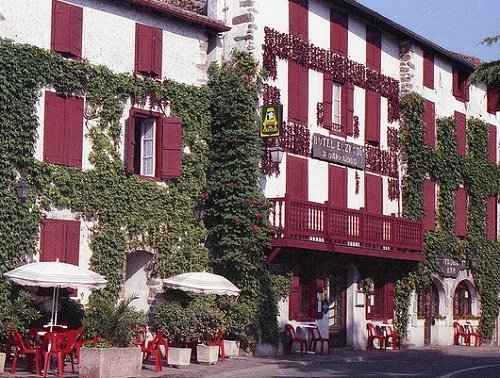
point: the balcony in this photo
(316, 226)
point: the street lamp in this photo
(22, 189)
(277, 153)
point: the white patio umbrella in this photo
(202, 282)
(57, 275)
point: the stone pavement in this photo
(257, 366)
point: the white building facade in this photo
(338, 69)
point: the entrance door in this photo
(337, 312)
(428, 307)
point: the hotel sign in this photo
(338, 151)
(450, 267)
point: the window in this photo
(373, 48)
(154, 145)
(430, 123)
(428, 301)
(460, 132)
(461, 300)
(460, 85)
(66, 34)
(148, 51)
(338, 110)
(338, 32)
(63, 130)
(145, 129)
(336, 102)
(461, 212)
(380, 301)
(60, 239)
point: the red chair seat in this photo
(373, 335)
(316, 337)
(459, 332)
(153, 348)
(54, 345)
(392, 338)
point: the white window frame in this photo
(337, 104)
(148, 122)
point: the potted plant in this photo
(110, 353)
(192, 322)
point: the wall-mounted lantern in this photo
(277, 153)
(199, 211)
(22, 189)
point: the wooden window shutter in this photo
(373, 194)
(171, 145)
(456, 83)
(492, 144)
(372, 117)
(293, 17)
(294, 299)
(73, 135)
(303, 95)
(143, 49)
(337, 186)
(327, 100)
(461, 212)
(61, 17)
(430, 123)
(312, 300)
(492, 218)
(460, 132)
(130, 143)
(348, 108)
(373, 48)
(76, 30)
(72, 229)
(428, 79)
(297, 178)
(492, 100)
(429, 221)
(52, 240)
(338, 32)
(157, 52)
(304, 19)
(293, 90)
(53, 129)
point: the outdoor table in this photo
(307, 329)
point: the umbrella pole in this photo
(53, 308)
(57, 304)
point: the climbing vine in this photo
(449, 170)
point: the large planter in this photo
(207, 354)
(110, 362)
(2, 362)
(178, 357)
(231, 348)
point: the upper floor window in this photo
(338, 110)
(493, 100)
(66, 32)
(336, 103)
(148, 50)
(63, 130)
(154, 145)
(460, 84)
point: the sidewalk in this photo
(257, 366)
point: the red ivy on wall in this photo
(320, 119)
(295, 138)
(393, 188)
(290, 47)
(384, 162)
(271, 95)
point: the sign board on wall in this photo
(338, 151)
(271, 120)
(450, 267)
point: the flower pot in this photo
(231, 348)
(207, 354)
(110, 362)
(177, 357)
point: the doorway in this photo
(337, 310)
(428, 307)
